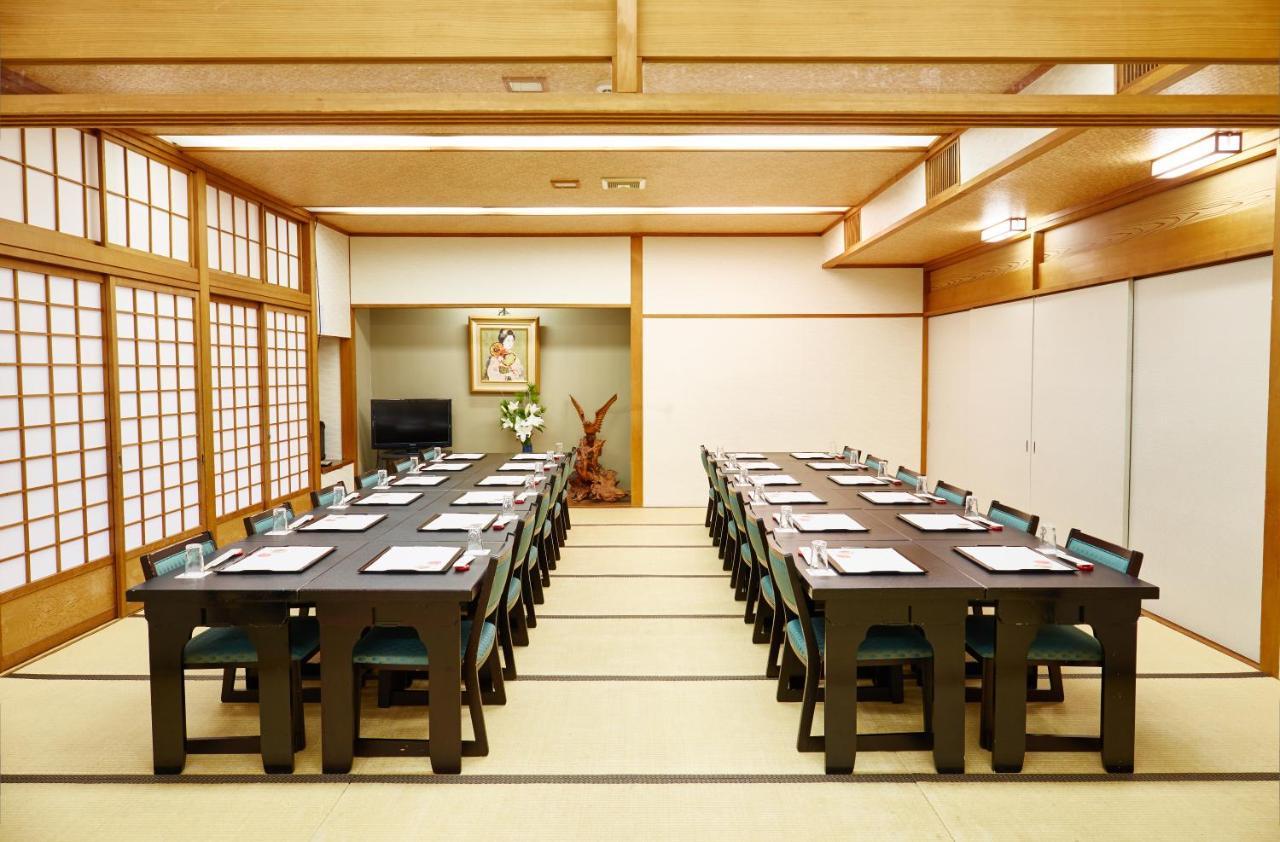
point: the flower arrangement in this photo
(522, 414)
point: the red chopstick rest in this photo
(462, 566)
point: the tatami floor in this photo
(641, 713)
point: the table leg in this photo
(275, 696)
(944, 626)
(440, 628)
(1016, 627)
(340, 628)
(168, 630)
(845, 634)
(1119, 639)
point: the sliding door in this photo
(950, 450)
(1200, 410)
(1080, 410)
(999, 389)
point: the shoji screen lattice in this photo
(235, 370)
(49, 178)
(54, 488)
(148, 206)
(159, 442)
(286, 348)
(234, 232)
(283, 267)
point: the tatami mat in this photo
(641, 713)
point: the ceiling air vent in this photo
(622, 183)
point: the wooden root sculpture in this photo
(591, 483)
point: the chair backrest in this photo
(524, 535)
(849, 453)
(492, 590)
(781, 579)
(259, 523)
(431, 454)
(544, 508)
(502, 571)
(801, 607)
(1013, 518)
(399, 466)
(951, 493)
(873, 462)
(324, 497)
(755, 537)
(910, 477)
(1099, 551)
(738, 509)
(368, 480)
(173, 558)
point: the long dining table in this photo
(1107, 600)
(346, 601)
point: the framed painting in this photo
(504, 353)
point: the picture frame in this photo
(504, 353)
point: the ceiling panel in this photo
(831, 77)
(1086, 168)
(310, 179)
(1230, 79)
(564, 225)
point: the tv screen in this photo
(412, 423)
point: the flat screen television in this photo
(412, 423)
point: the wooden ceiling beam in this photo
(329, 109)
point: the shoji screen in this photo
(159, 439)
(54, 489)
(1200, 409)
(283, 267)
(234, 232)
(287, 401)
(148, 206)
(235, 371)
(950, 449)
(49, 178)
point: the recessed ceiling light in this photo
(744, 210)
(525, 84)
(565, 183)
(1004, 229)
(1197, 154)
(555, 143)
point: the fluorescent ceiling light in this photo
(745, 210)
(1004, 229)
(1197, 154)
(553, 143)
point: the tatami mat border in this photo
(650, 780)
(1094, 676)
(640, 576)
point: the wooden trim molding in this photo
(782, 315)
(1269, 647)
(626, 57)
(637, 371)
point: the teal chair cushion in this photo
(231, 644)
(767, 592)
(399, 646)
(1097, 555)
(513, 592)
(1053, 642)
(949, 496)
(1009, 519)
(883, 643)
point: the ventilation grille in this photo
(942, 170)
(622, 183)
(1127, 74)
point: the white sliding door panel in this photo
(1080, 417)
(1200, 399)
(998, 384)
(949, 427)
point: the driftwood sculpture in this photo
(591, 483)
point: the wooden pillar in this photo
(637, 371)
(1269, 645)
(626, 59)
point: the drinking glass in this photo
(559, 450)
(1048, 538)
(818, 554)
(757, 488)
(508, 503)
(834, 450)
(851, 455)
(280, 520)
(193, 559)
(474, 544)
(382, 477)
(339, 494)
(413, 463)
(785, 518)
(530, 483)
(970, 506)
(883, 469)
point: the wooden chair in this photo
(909, 477)
(260, 523)
(849, 453)
(397, 653)
(951, 493)
(325, 497)
(743, 561)
(368, 480)
(715, 506)
(398, 465)
(514, 628)
(767, 626)
(431, 454)
(874, 462)
(804, 652)
(1012, 518)
(229, 648)
(560, 510)
(1055, 645)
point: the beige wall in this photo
(422, 353)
